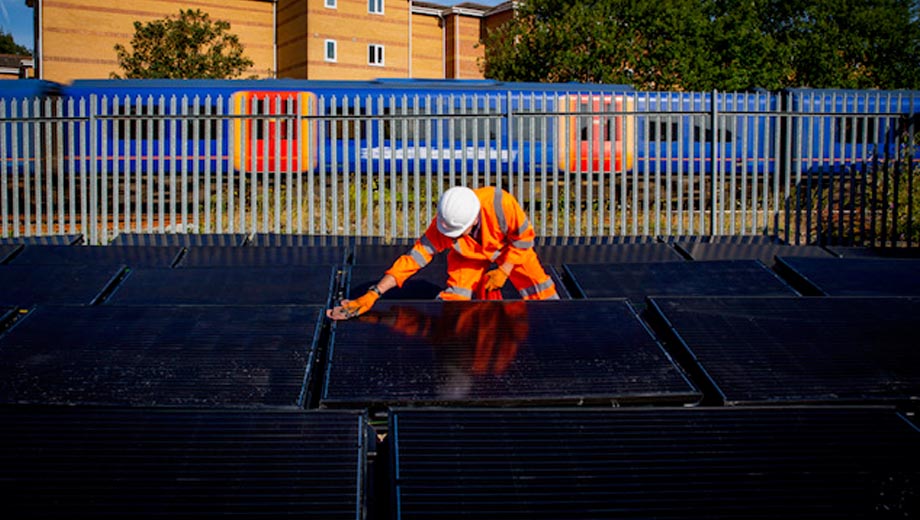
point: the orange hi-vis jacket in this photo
(505, 235)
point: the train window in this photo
(855, 129)
(146, 122)
(663, 131)
(701, 135)
(607, 134)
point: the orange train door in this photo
(592, 137)
(274, 141)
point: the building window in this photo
(375, 6)
(330, 4)
(331, 50)
(375, 55)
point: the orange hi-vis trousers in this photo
(466, 277)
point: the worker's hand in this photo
(350, 308)
(495, 279)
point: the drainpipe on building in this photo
(410, 39)
(274, 73)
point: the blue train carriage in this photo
(838, 130)
(382, 125)
(22, 103)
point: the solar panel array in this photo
(693, 377)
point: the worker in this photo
(481, 228)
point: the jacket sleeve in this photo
(429, 244)
(519, 233)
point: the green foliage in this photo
(189, 46)
(711, 44)
(9, 46)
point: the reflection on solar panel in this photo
(604, 254)
(135, 463)
(542, 240)
(499, 353)
(276, 239)
(384, 254)
(180, 239)
(852, 276)
(725, 239)
(654, 463)
(291, 285)
(7, 250)
(211, 256)
(638, 281)
(51, 240)
(6, 314)
(26, 285)
(730, 251)
(165, 356)
(131, 256)
(792, 350)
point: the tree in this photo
(711, 44)
(9, 46)
(184, 47)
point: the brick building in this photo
(304, 39)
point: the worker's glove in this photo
(358, 306)
(495, 279)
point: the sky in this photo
(16, 19)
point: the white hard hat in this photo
(457, 210)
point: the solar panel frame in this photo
(180, 239)
(28, 285)
(498, 354)
(285, 285)
(89, 462)
(284, 239)
(765, 252)
(793, 350)
(179, 356)
(50, 240)
(7, 251)
(130, 256)
(224, 256)
(852, 276)
(688, 463)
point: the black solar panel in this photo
(213, 256)
(7, 251)
(384, 254)
(559, 255)
(765, 252)
(6, 315)
(565, 351)
(290, 285)
(795, 350)
(875, 252)
(275, 239)
(180, 239)
(852, 276)
(26, 285)
(725, 239)
(165, 356)
(50, 240)
(60, 462)
(424, 285)
(542, 240)
(638, 281)
(131, 256)
(703, 463)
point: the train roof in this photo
(24, 88)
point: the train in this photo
(456, 126)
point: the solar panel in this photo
(214, 256)
(594, 240)
(765, 252)
(606, 253)
(797, 350)
(290, 285)
(641, 280)
(131, 256)
(627, 463)
(875, 252)
(50, 240)
(426, 284)
(487, 353)
(7, 251)
(6, 315)
(27, 285)
(384, 254)
(725, 239)
(180, 239)
(283, 239)
(203, 356)
(852, 276)
(59, 462)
